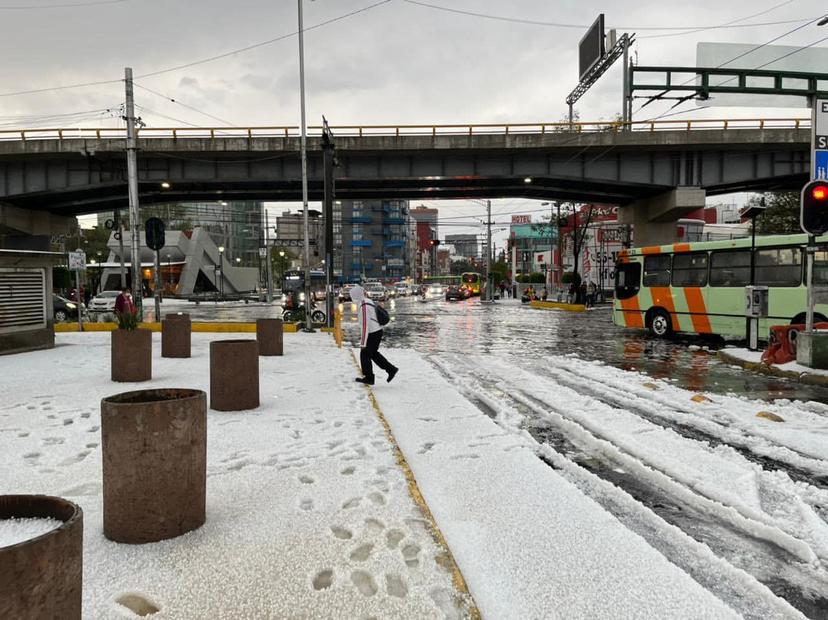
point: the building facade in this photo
(465, 246)
(375, 239)
(426, 222)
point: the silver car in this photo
(376, 292)
(103, 302)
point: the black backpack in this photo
(383, 318)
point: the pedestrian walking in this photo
(582, 294)
(502, 290)
(591, 290)
(124, 303)
(544, 294)
(370, 338)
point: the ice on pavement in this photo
(529, 543)
(307, 512)
(14, 531)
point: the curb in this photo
(446, 559)
(766, 369)
(557, 305)
(250, 328)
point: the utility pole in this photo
(132, 181)
(303, 146)
(489, 250)
(329, 161)
(121, 246)
(268, 262)
(626, 109)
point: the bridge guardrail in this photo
(479, 129)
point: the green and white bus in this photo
(700, 287)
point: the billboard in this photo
(768, 58)
(591, 48)
(521, 219)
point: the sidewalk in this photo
(752, 360)
(309, 512)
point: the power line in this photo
(182, 104)
(730, 23)
(60, 6)
(534, 22)
(197, 62)
(263, 43)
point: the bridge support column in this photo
(654, 219)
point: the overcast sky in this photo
(396, 63)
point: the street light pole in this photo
(132, 186)
(304, 150)
(221, 271)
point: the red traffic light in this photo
(819, 192)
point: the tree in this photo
(781, 214)
(280, 263)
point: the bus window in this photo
(730, 268)
(627, 280)
(779, 267)
(657, 270)
(821, 268)
(690, 269)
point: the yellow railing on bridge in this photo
(477, 129)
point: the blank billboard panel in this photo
(591, 47)
(767, 58)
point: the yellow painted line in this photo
(556, 305)
(445, 559)
(249, 328)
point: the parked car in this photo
(454, 292)
(66, 309)
(345, 292)
(376, 291)
(103, 302)
(402, 289)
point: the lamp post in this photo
(221, 271)
(169, 271)
(304, 153)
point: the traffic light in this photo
(434, 242)
(154, 229)
(814, 213)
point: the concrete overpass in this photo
(660, 170)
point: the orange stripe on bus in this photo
(681, 247)
(631, 311)
(664, 298)
(651, 249)
(695, 304)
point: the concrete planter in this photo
(154, 446)
(131, 355)
(234, 375)
(176, 335)
(269, 336)
(42, 577)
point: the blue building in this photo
(375, 239)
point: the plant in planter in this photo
(131, 350)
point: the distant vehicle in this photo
(415, 289)
(294, 281)
(375, 291)
(466, 290)
(65, 309)
(391, 292)
(345, 292)
(103, 302)
(472, 280)
(454, 292)
(435, 289)
(402, 289)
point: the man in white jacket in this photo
(369, 338)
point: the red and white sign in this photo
(521, 219)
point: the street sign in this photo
(819, 157)
(262, 252)
(77, 261)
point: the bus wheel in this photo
(660, 324)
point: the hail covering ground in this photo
(13, 531)
(308, 514)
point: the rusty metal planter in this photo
(176, 335)
(42, 577)
(234, 375)
(131, 355)
(154, 445)
(269, 336)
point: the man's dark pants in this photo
(371, 353)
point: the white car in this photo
(103, 302)
(401, 289)
(375, 292)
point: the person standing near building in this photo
(124, 303)
(370, 338)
